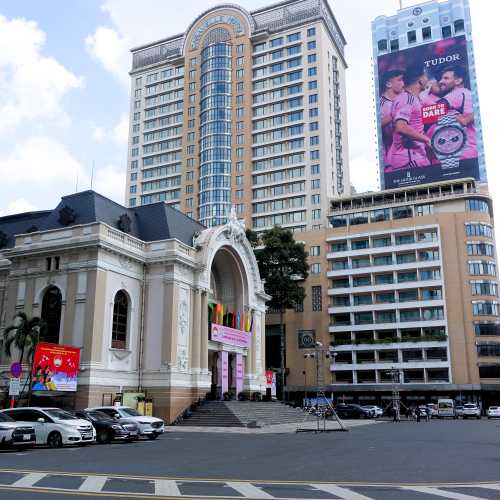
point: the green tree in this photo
(23, 334)
(283, 266)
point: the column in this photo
(196, 327)
(204, 331)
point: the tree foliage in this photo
(282, 265)
(23, 334)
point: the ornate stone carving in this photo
(183, 324)
(124, 223)
(3, 239)
(67, 215)
(120, 354)
(234, 229)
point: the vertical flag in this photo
(238, 320)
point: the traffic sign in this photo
(16, 369)
(14, 386)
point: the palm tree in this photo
(24, 334)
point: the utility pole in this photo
(319, 354)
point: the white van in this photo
(446, 408)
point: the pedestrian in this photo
(428, 414)
(417, 413)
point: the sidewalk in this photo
(268, 429)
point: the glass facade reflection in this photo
(215, 134)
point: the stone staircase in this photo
(242, 413)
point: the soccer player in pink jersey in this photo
(409, 140)
(459, 99)
(392, 84)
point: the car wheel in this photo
(55, 440)
(152, 436)
(103, 437)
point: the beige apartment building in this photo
(404, 281)
(245, 109)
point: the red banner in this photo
(55, 367)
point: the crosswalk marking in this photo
(248, 490)
(93, 484)
(442, 493)
(165, 487)
(343, 493)
(28, 480)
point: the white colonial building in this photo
(133, 288)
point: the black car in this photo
(353, 411)
(106, 428)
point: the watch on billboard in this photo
(426, 114)
(307, 339)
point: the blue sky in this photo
(64, 89)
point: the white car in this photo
(15, 434)
(53, 426)
(471, 410)
(151, 427)
(494, 412)
(376, 410)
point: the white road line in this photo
(441, 493)
(28, 480)
(165, 487)
(248, 490)
(488, 486)
(93, 484)
(343, 493)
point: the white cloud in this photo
(98, 134)
(111, 49)
(18, 206)
(41, 162)
(110, 181)
(120, 131)
(32, 85)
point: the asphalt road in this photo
(399, 454)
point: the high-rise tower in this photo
(244, 109)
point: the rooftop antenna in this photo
(92, 175)
(400, 4)
(76, 185)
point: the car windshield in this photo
(493, 407)
(60, 414)
(470, 406)
(129, 412)
(5, 418)
(98, 415)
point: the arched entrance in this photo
(230, 322)
(51, 314)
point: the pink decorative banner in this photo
(239, 373)
(230, 336)
(224, 371)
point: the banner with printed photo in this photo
(55, 367)
(426, 114)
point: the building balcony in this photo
(410, 365)
(389, 344)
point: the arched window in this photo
(51, 314)
(120, 321)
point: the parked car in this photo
(471, 410)
(376, 410)
(15, 434)
(353, 411)
(459, 410)
(446, 408)
(108, 429)
(53, 426)
(151, 427)
(493, 412)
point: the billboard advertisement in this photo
(426, 114)
(55, 367)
